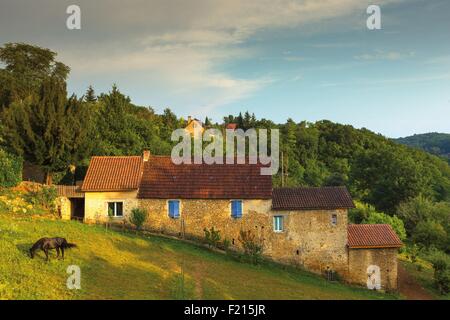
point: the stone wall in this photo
(309, 238)
(96, 204)
(359, 261)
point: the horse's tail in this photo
(68, 245)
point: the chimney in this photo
(146, 155)
(189, 119)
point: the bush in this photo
(212, 237)
(252, 247)
(441, 266)
(138, 217)
(10, 169)
(44, 196)
(430, 233)
(364, 213)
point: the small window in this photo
(334, 219)
(174, 209)
(115, 209)
(236, 208)
(278, 223)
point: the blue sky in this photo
(306, 60)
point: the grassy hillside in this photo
(118, 265)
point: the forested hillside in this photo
(435, 143)
(45, 126)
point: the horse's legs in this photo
(62, 251)
(57, 252)
(46, 253)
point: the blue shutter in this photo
(239, 208)
(171, 209)
(176, 209)
(236, 208)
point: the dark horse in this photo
(46, 244)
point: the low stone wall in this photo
(364, 265)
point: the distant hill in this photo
(435, 143)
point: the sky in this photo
(300, 59)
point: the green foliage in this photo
(364, 213)
(430, 233)
(44, 197)
(212, 237)
(441, 266)
(427, 222)
(138, 217)
(252, 247)
(10, 169)
(26, 68)
(435, 143)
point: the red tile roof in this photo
(323, 198)
(113, 174)
(231, 126)
(164, 179)
(372, 236)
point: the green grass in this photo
(123, 265)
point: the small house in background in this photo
(194, 124)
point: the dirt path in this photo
(409, 287)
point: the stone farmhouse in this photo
(306, 227)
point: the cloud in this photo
(382, 55)
(181, 47)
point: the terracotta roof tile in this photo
(113, 174)
(164, 179)
(69, 191)
(372, 236)
(323, 198)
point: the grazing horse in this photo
(46, 244)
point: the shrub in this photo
(44, 196)
(212, 237)
(441, 266)
(252, 247)
(10, 169)
(430, 233)
(364, 213)
(138, 217)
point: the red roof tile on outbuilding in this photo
(323, 198)
(372, 236)
(113, 174)
(164, 179)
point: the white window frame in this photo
(115, 208)
(334, 221)
(274, 218)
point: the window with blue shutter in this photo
(236, 208)
(174, 209)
